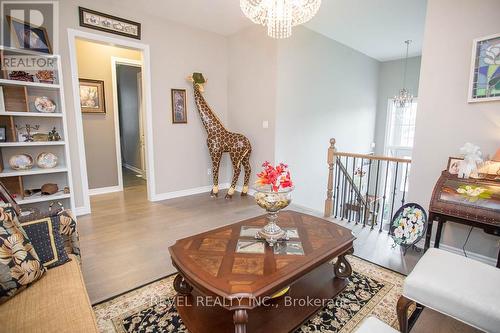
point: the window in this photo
(400, 134)
(400, 127)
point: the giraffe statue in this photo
(220, 141)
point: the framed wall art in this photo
(109, 23)
(179, 108)
(485, 70)
(92, 98)
(29, 37)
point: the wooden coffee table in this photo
(226, 277)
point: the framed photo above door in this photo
(92, 98)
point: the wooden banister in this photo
(374, 157)
(333, 159)
(329, 192)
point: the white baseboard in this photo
(104, 190)
(79, 211)
(183, 193)
(134, 169)
(476, 256)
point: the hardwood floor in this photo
(124, 241)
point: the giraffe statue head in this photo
(198, 80)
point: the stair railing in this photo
(365, 188)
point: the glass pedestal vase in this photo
(272, 202)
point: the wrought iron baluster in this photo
(337, 187)
(352, 189)
(359, 199)
(375, 199)
(394, 193)
(367, 202)
(344, 208)
(404, 187)
(384, 197)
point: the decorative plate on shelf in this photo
(44, 104)
(46, 160)
(408, 224)
(21, 162)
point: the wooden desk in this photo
(211, 270)
(449, 205)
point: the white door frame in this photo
(74, 34)
(129, 62)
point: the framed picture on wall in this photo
(92, 96)
(104, 22)
(485, 70)
(29, 37)
(179, 109)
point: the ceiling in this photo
(377, 28)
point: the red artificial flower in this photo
(278, 177)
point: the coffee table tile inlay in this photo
(211, 268)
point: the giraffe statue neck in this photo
(210, 121)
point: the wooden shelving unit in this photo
(18, 109)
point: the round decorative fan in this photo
(408, 225)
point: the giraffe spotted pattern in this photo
(220, 141)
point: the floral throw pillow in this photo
(19, 263)
(408, 224)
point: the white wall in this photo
(181, 155)
(445, 121)
(390, 81)
(252, 92)
(324, 90)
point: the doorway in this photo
(110, 137)
(127, 89)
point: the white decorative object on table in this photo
(46, 160)
(472, 156)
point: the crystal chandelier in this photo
(404, 99)
(279, 16)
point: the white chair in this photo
(374, 325)
(456, 286)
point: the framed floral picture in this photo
(92, 98)
(179, 109)
(485, 70)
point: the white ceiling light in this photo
(279, 16)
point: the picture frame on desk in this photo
(453, 165)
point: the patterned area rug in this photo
(372, 290)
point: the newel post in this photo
(331, 166)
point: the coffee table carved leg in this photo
(402, 311)
(240, 319)
(342, 267)
(182, 286)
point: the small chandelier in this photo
(279, 16)
(404, 98)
